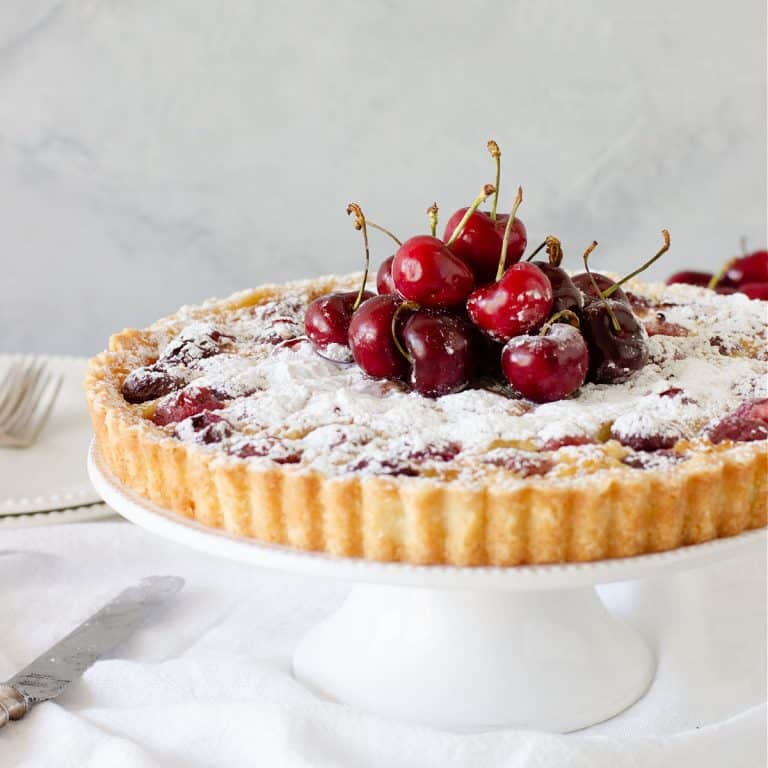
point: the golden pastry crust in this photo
(619, 512)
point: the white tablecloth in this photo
(207, 683)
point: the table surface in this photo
(207, 683)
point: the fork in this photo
(28, 391)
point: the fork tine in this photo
(18, 378)
(27, 431)
(44, 414)
(33, 389)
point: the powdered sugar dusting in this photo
(281, 402)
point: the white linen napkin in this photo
(207, 682)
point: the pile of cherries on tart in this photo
(465, 310)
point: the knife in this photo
(51, 672)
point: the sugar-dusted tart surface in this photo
(224, 413)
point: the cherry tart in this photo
(229, 414)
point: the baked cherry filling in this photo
(182, 405)
(151, 382)
(749, 422)
(521, 463)
(207, 427)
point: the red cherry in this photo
(754, 409)
(384, 281)
(479, 245)
(327, 319)
(755, 290)
(370, 338)
(690, 277)
(442, 350)
(583, 282)
(520, 302)
(182, 405)
(425, 271)
(752, 268)
(546, 368)
(737, 429)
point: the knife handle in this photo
(13, 706)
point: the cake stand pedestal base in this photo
(552, 660)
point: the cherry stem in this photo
(743, 245)
(361, 224)
(600, 295)
(432, 218)
(507, 230)
(493, 148)
(372, 225)
(564, 314)
(720, 274)
(536, 250)
(485, 193)
(405, 305)
(664, 248)
(554, 251)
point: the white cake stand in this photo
(458, 648)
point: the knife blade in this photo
(51, 672)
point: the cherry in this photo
(519, 302)
(755, 290)
(441, 350)
(555, 443)
(615, 353)
(523, 463)
(477, 237)
(150, 383)
(656, 459)
(480, 241)
(425, 271)
(596, 286)
(756, 410)
(384, 281)
(327, 320)
(565, 293)
(647, 443)
(444, 451)
(184, 404)
(199, 344)
(738, 430)
(752, 268)
(584, 283)
(209, 427)
(691, 277)
(371, 340)
(546, 367)
(267, 447)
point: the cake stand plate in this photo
(458, 648)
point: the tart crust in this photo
(720, 491)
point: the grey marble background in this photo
(154, 153)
